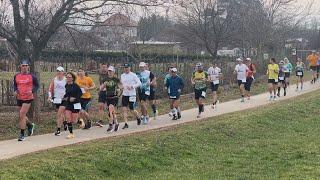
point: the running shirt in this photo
(200, 79)
(145, 78)
(174, 84)
(313, 60)
(73, 90)
(288, 67)
(214, 74)
(300, 67)
(111, 85)
(25, 85)
(130, 82)
(83, 82)
(273, 71)
(241, 70)
(251, 68)
(166, 78)
(58, 88)
(281, 74)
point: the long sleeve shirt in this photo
(174, 84)
(130, 82)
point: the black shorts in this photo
(318, 69)
(102, 97)
(20, 102)
(143, 96)
(69, 107)
(313, 68)
(240, 82)
(85, 103)
(200, 93)
(125, 102)
(112, 101)
(247, 85)
(177, 97)
(287, 74)
(272, 81)
(299, 73)
(214, 87)
(152, 93)
(63, 103)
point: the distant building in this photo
(117, 32)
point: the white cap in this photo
(281, 62)
(111, 68)
(61, 69)
(142, 64)
(174, 69)
(248, 59)
(239, 59)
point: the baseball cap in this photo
(174, 69)
(248, 59)
(61, 69)
(142, 64)
(111, 68)
(199, 64)
(239, 59)
(24, 62)
(126, 65)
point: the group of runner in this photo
(71, 93)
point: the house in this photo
(117, 32)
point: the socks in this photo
(70, 128)
(22, 131)
(201, 108)
(154, 108)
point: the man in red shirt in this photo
(25, 85)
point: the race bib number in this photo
(147, 93)
(82, 90)
(281, 78)
(132, 99)
(57, 101)
(203, 94)
(77, 106)
(276, 80)
(215, 82)
(299, 73)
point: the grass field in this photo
(278, 141)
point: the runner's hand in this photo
(72, 99)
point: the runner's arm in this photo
(137, 82)
(35, 84)
(51, 89)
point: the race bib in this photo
(244, 80)
(57, 101)
(173, 97)
(203, 94)
(82, 90)
(216, 82)
(132, 99)
(77, 106)
(281, 78)
(147, 93)
(299, 73)
(276, 80)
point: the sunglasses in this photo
(69, 77)
(24, 65)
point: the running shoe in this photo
(110, 128)
(179, 116)
(65, 125)
(145, 120)
(31, 128)
(21, 137)
(174, 117)
(199, 115)
(70, 136)
(125, 126)
(116, 127)
(138, 121)
(170, 114)
(285, 93)
(99, 123)
(278, 94)
(82, 124)
(57, 133)
(274, 98)
(242, 100)
(270, 98)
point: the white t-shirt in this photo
(130, 82)
(213, 74)
(241, 70)
(59, 87)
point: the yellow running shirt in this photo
(273, 71)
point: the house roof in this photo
(119, 20)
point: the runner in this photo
(57, 90)
(152, 97)
(25, 85)
(103, 75)
(130, 82)
(318, 65)
(175, 85)
(86, 84)
(313, 61)
(288, 69)
(112, 88)
(282, 78)
(72, 98)
(250, 77)
(272, 72)
(167, 76)
(145, 77)
(241, 72)
(299, 73)
(199, 79)
(214, 73)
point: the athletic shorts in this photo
(112, 101)
(247, 85)
(177, 97)
(241, 82)
(85, 103)
(63, 103)
(199, 93)
(102, 97)
(125, 102)
(214, 87)
(272, 81)
(70, 107)
(20, 102)
(143, 96)
(282, 81)
(287, 74)
(298, 74)
(152, 94)
(313, 68)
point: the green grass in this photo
(278, 141)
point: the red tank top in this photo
(24, 86)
